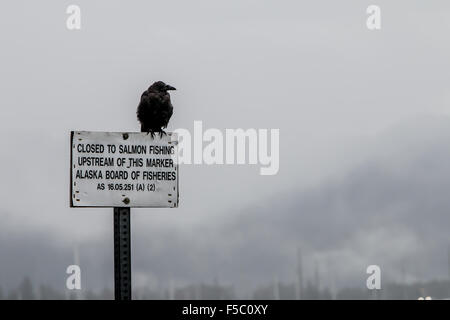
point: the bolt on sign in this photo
(114, 169)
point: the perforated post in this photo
(122, 254)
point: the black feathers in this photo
(155, 109)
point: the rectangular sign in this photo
(130, 169)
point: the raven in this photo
(155, 109)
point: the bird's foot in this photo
(151, 133)
(162, 133)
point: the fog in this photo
(363, 120)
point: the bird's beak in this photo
(170, 88)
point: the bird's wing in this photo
(146, 107)
(167, 114)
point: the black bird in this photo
(155, 109)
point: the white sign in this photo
(114, 169)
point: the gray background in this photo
(364, 135)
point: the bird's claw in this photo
(162, 133)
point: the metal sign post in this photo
(122, 253)
(123, 171)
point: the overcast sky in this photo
(359, 112)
